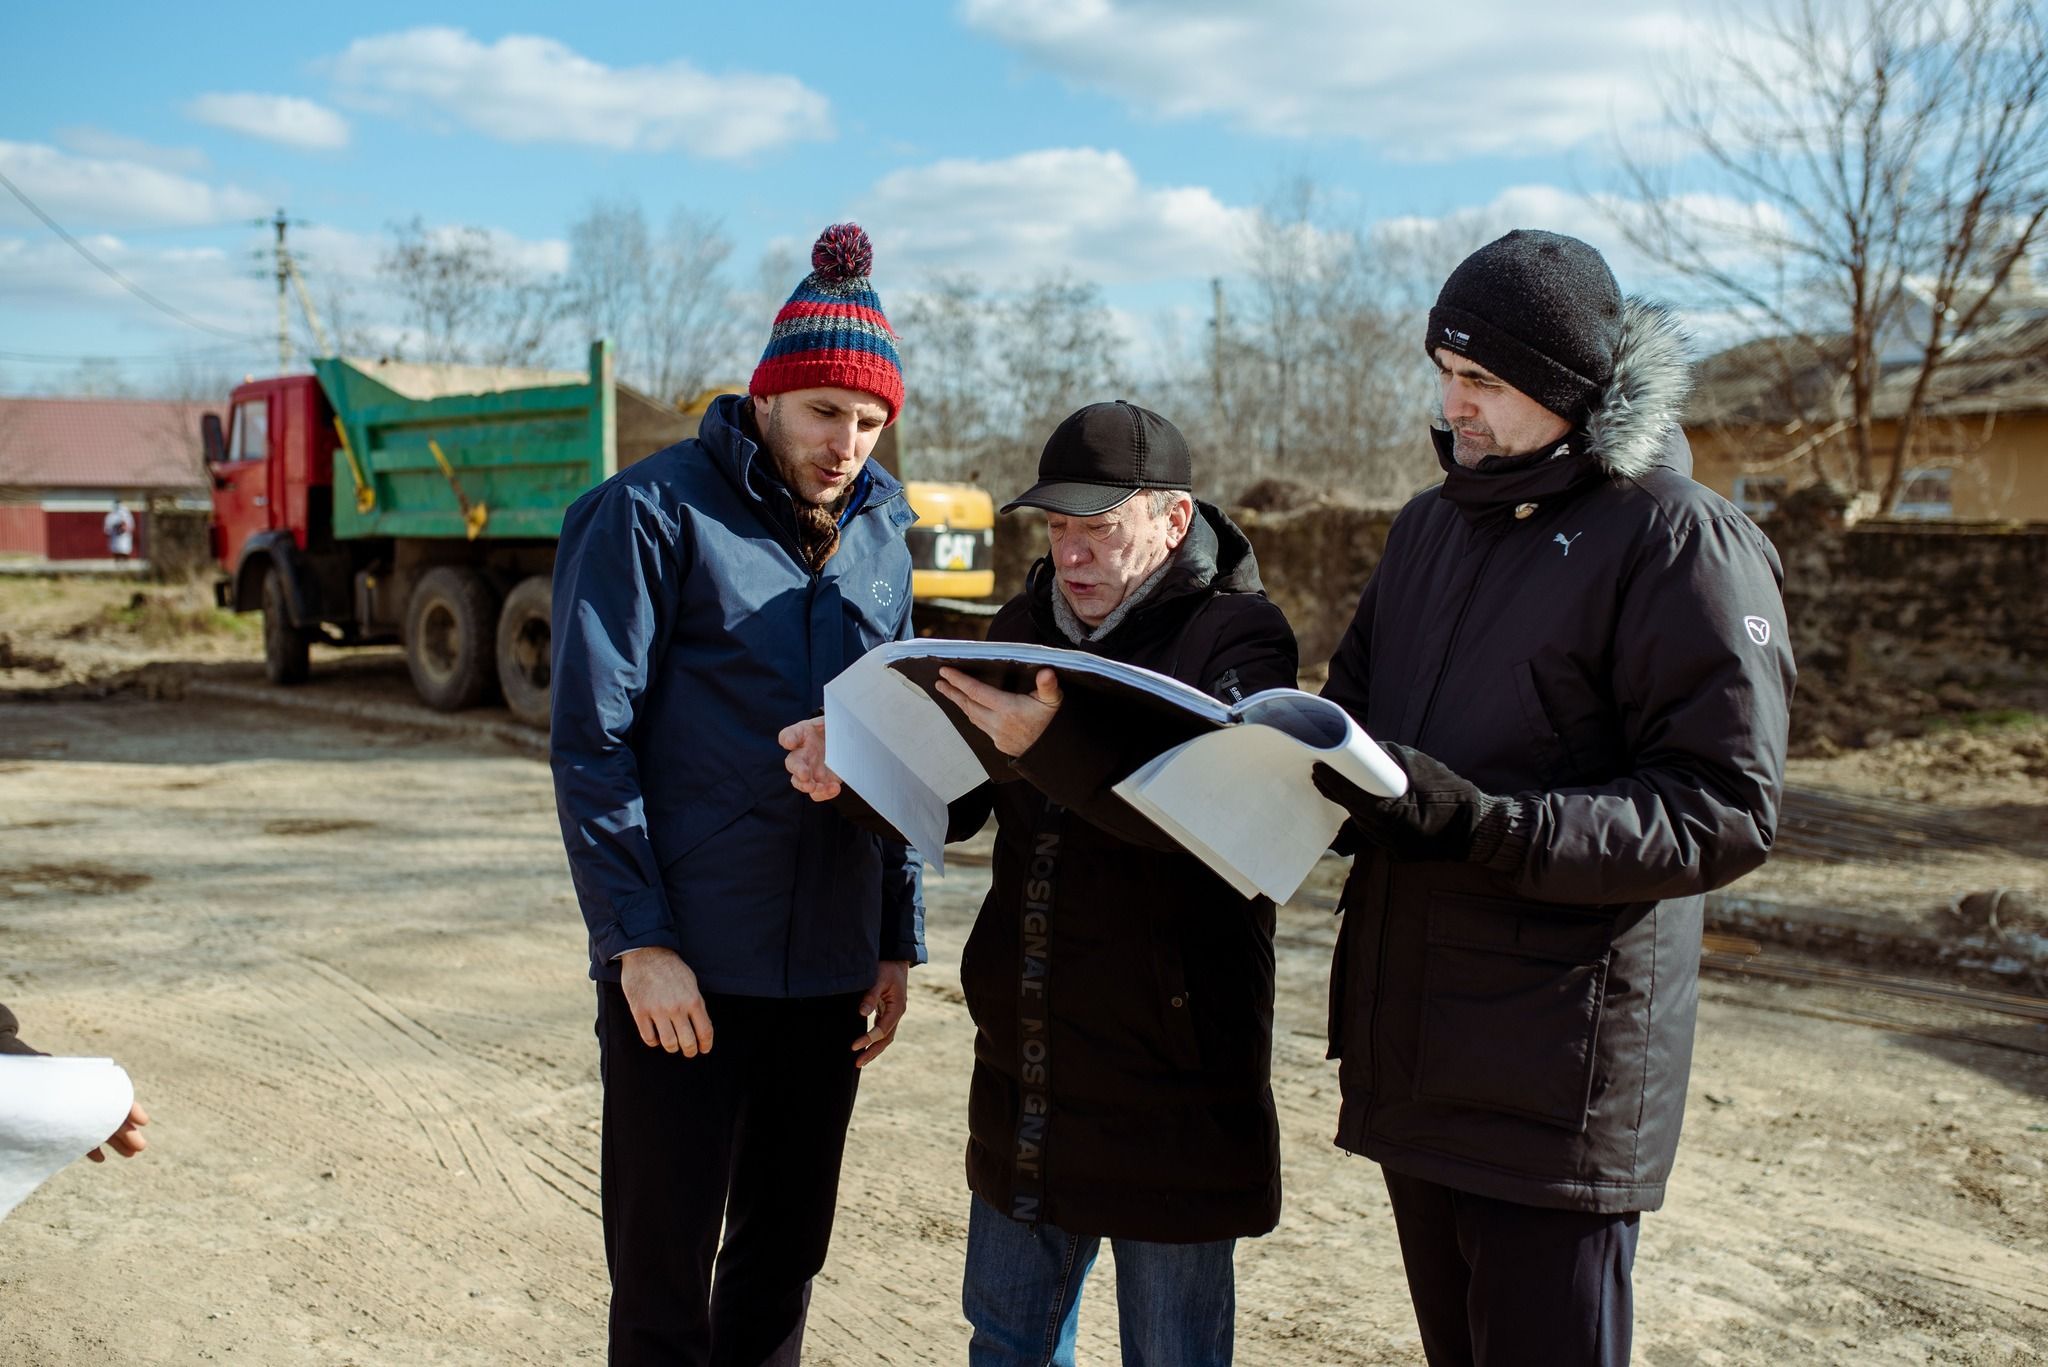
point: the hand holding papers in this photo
(1231, 783)
(1013, 722)
(52, 1110)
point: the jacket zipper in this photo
(1379, 968)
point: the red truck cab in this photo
(273, 503)
(274, 469)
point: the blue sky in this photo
(1123, 141)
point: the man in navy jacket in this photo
(702, 598)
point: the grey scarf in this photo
(1079, 632)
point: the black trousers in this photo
(1500, 1284)
(748, 1136)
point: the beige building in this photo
(1768, 418)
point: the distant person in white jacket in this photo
(119, 525)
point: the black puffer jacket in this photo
(1122, 994)
(1592, 630)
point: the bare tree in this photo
(191, 383)
(1895, 157)
(941, 334)
(1285, 256)
(1056, 348)
(353, 329)
(1320, 379)
(664, 299)
(464, 301)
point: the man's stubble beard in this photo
(1468, 453)
(787, 465)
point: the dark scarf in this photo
(817, 529)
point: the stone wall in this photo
(1893, 605)
(1917, 604)
(1314, 560)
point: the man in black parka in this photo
(1579, 656)
(1122, 993)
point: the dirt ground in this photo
(345, 968)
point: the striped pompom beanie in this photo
(832, 333)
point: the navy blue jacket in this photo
(687, 633)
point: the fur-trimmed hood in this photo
(1634, 424)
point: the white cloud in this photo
(212, 285)
(109, 192)
(527, 88)
(1075, 211)
(1599, 219)
(1414, 82)
(528, 256)
(216, 284)
(274, 118)
(99, 142)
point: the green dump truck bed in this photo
(475, 452)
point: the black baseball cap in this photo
(1103, 454)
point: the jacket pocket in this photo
(1512, 997)
(1549, 744)
(686, 825)
(1173, 1006)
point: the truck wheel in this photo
(448, 636)
(525, 627)
(286, 659)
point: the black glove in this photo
(1441, 818)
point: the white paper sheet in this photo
(908, 784)
(1242, 799)
(52, 1112)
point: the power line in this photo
(54, 358)
(123, 281)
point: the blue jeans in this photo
(1178, 1302)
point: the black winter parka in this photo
(1592, 631)
(1122, 994)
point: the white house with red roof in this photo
(64, 461)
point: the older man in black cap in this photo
(1579, 656)
(1122, 993)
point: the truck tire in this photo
(525, 664)
(450, 627)
(286, 659)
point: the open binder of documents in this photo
(1229, 781)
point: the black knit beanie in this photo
(1541, 311)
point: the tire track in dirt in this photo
(441, 1083)
(393, 1045)
(1875, 1255)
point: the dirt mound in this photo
(13, 657)
(158, 616)
(1970, 759)
(1829, 716)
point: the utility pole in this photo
(1216, 331)
(287, 272)
(284, 322)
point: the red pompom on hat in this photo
(831, 332)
